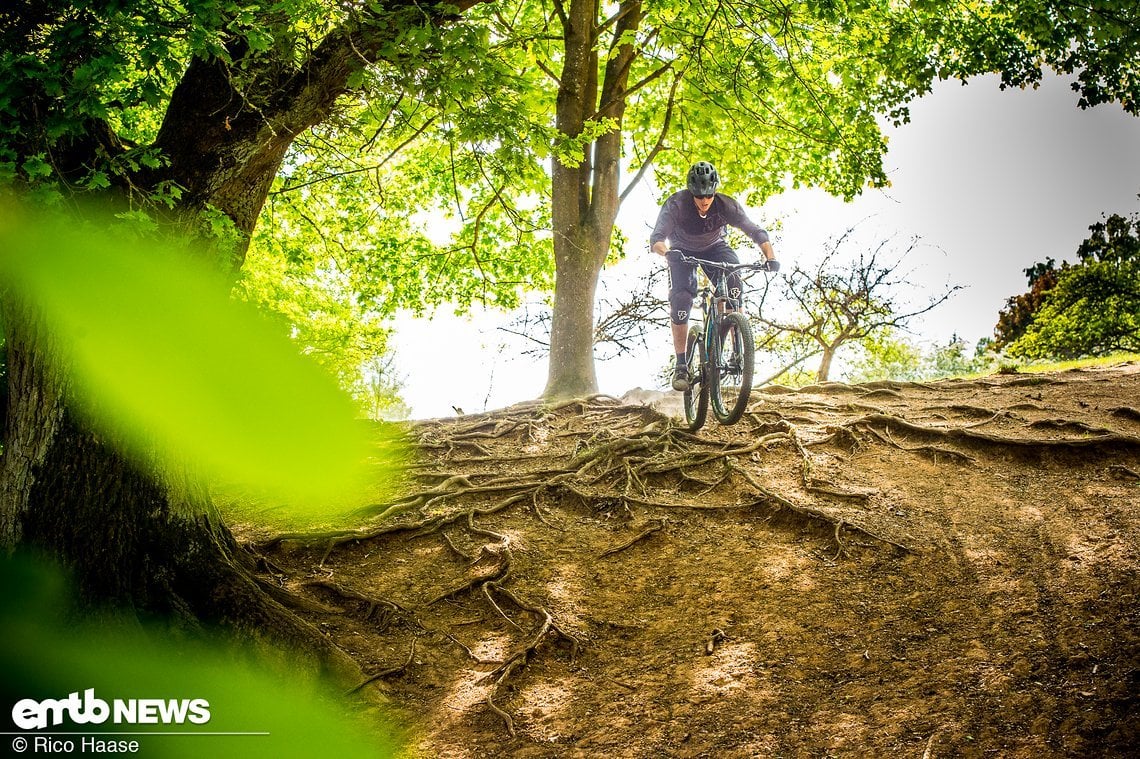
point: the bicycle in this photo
(723, 381)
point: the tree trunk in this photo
(129, 536)
(825, 364)
(584, 197)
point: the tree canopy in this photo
(1089, 308)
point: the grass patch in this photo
(1081, 363)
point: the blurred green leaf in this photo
(45, 655)
(161, 358)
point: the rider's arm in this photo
(738, 218)
(658, 238)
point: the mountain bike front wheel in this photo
(697, 396)
(729, 394)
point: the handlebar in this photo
(676, 255)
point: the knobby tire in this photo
(732, 386)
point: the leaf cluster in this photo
(84, 85)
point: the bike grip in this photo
(772, 265)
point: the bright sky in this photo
(991, 182)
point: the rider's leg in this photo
(680, 338)
(682, 290)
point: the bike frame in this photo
(714, 303)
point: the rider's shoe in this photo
(681, 378)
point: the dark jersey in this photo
(687, 230)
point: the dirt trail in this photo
(948, 569)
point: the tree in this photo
(1093, 307)
(769, 89)
(190, 113)
(891, 356)
(838, 304)
(1020, 310)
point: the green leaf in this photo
(36, 166)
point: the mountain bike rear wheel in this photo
(697, 396)
(729, 394)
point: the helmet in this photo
(703, 179)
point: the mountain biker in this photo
(694, 221)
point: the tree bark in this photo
(825, 364)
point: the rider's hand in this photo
(771, 264)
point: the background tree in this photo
(778, 94)
(1020, 310)
(839, 304)
(767, 90)
(893, 356)
(1094, 307)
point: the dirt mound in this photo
(945, 569)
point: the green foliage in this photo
(887, 355)
(420, 191)
(1091, 308)
(778, 95)
(1094, 310)
(1021, 310)
(884, 356)
(176, 364)
(3, 385)
(46, 654)
(84, 85)
(312, 299)
(1097, 41)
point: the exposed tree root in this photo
(601, 462)
(932, 450)
(1106, 438)
(1126, 412)
(380, 610)
(1124, 472)
(622, 458)
(654, 525)
(546, 628)
(774, 500)
(398, 670)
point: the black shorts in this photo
(683, 279)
